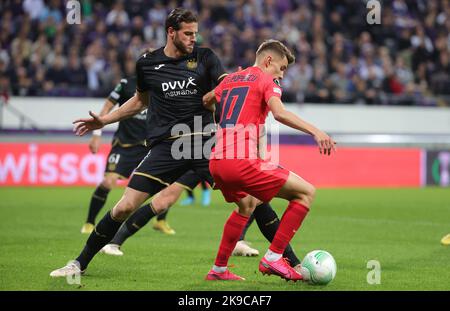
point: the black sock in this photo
(247, 225)
(268, 223)
(163, 215)
(135, 222)
(97, 202)
(103, 233)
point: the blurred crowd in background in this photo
(341, 58)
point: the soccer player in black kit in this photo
(127, 151)
(171, 82)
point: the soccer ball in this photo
(318, 267)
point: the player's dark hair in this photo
(179, 15)
(277, 47)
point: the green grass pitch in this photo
(400, 228)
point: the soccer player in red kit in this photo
(245, 98)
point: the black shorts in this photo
(160, 168)
(189, 180)
(123, 161)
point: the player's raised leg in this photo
(300, 195)
(268, 224)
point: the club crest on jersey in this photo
(191, 63)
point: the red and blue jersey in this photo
(242, 98)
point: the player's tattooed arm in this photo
(134, 105)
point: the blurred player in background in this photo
(245, 98)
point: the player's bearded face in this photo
(185, 38)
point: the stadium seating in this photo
(340, 57)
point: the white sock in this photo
(219, 269)
(271, 256)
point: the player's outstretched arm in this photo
(325, 142)
(134, 105)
